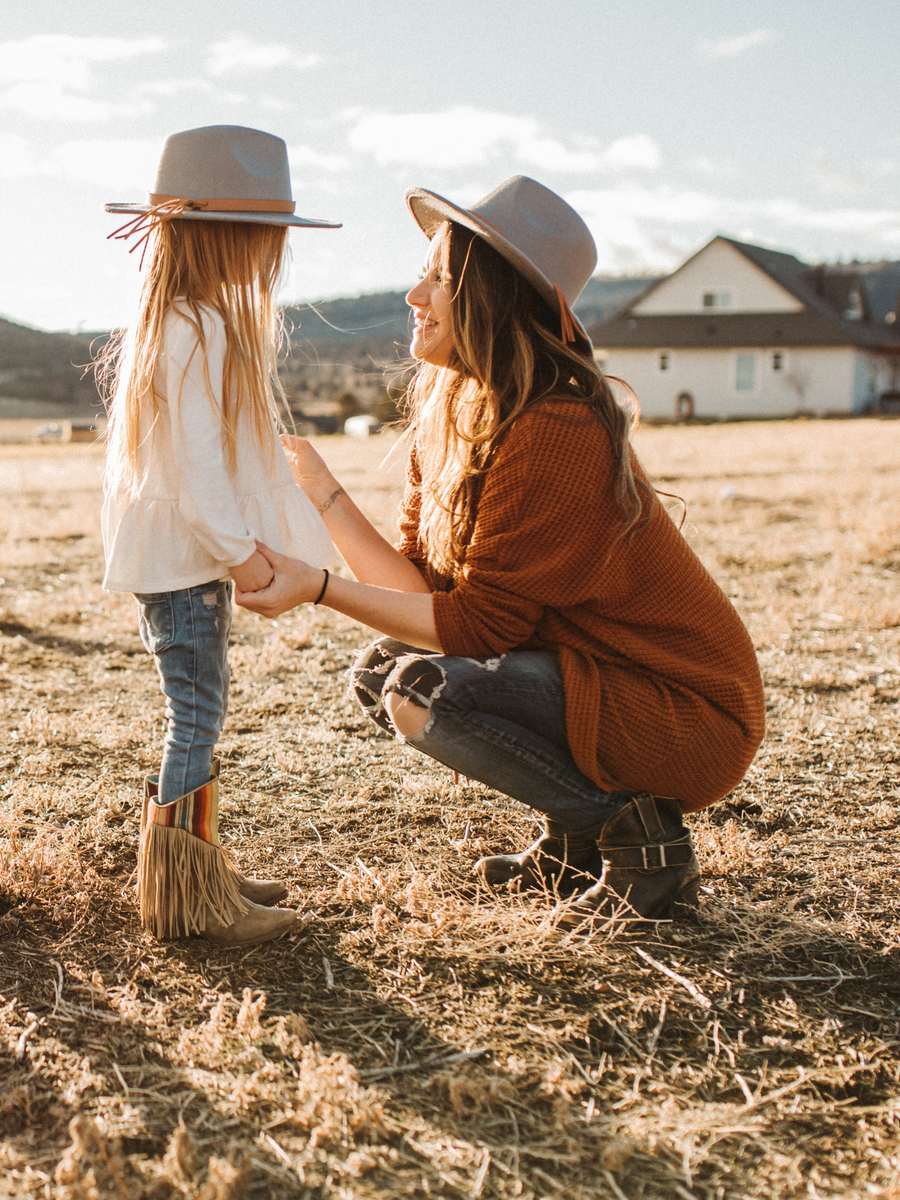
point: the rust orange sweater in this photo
(663, 691)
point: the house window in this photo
(717, 299)
(854, 310)
(777, 361)
(745, 373)
(664, 362)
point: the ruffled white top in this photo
(192, 517)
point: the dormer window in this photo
(664, 362)
(854, 310)
(716, 298)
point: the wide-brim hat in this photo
(224, 173)
(535, 230)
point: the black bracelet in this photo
(318, 599)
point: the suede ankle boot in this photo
(649, 866)
(559, 859)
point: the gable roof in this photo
(827, 293)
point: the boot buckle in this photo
(660, 849)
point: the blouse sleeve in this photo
(206, 500)
(545, 525)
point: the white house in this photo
(742, 331)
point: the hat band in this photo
(226, 205)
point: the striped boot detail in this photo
(184, 877)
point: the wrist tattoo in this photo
(331, 499)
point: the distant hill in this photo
(379, 320)
(336, 346)
(48, 368)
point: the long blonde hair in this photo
(506, 357)
(231, 268)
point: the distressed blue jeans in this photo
(499, 720)
(187, 634)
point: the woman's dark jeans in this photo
(499, 720)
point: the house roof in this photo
(827, 293)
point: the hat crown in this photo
(225, 162)
(544, 229)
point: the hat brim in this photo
(135, 210)
(429, 210)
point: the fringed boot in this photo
(186, 883)
(649, 866)
(559, 859)
(259, 891)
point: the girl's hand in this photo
(252, 575)
(293, 582)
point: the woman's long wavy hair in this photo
(507, 356)
(231, 268)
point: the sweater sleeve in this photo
(410, 544)
(545, 524)
(206, 500)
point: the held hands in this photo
(253, 575)
(292, 582)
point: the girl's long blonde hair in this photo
(507, 356)
(231, 268)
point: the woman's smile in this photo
(432, 337)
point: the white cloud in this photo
(238, 52)
(731, 47)
(654, 227)
(454, 138)
(126, 166)
(48, 76)
(465, 136)
(832, 220)
(639, 152)
(301, 158)
(16, 158)
(715, 168)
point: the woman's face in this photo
(430, 300)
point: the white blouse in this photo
(192, 518)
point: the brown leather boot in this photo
(649, 866)
(559, 859)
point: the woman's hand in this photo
(290, 582)
(407, 616)
(254, 574)
(310, 472)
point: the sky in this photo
(663, 122)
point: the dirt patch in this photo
(421, 1036)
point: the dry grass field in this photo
(420, 1037)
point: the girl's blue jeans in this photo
(499, 720)
(187, 634)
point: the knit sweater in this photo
(663, 692)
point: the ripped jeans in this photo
(187, 634)
(499, 720)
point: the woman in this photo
(549, 632)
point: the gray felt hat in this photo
(534, 229)
(224, 173)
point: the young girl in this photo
(195, 474)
